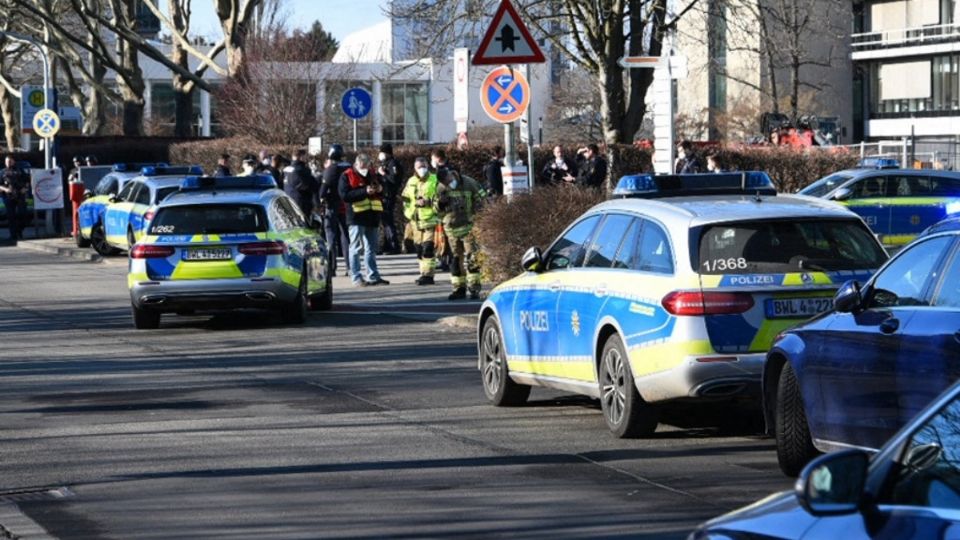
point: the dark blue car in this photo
(854, 375)
(910, 490)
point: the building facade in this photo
(907, 81)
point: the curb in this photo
(459, 321)
(55, 247)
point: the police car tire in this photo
(324, 300)
(131, 238)
(638, 418)
(98, 237)
(81, 241)
(499, 388)
(296, 312)
(145, 320)
(794, 444)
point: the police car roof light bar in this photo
(132, 167)
(647, 186)
(172, 171)
(220, 183)
(879, 163)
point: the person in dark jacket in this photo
(557, 168)
(361, 190)
(334, 213)
(14, 187)
(492, 173)
(223, 165)
(299, 183)
(392, 174)
(591, 169)
(687, 162)
(274, 169)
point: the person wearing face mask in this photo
(557, 168)
(391, 172)
(361, 190)
(687, 162)
(419, 196)
(458, 197)
(249, 165)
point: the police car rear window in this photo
(209, 219)
(783, 246)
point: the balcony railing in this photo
(923, 35)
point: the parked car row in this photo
(200, 243)
(713, 287)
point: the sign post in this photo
(505, 94)
(461, 90)
(356, 103)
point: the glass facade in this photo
(942, 99)
(405, 113)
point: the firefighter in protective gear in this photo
(458, 198)
(419, 197)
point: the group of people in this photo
(589, 169)
(353, 201)
(689, 163)
(272, 165)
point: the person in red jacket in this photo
(361, 190)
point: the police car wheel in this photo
(131, 238)
(794, 444)
(499, 388)
(98, 238)
(324, 300)
(145, 320)
(626, 413)
(296, 312)
(81, 241)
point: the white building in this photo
(907, 54)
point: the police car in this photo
(674, 292)
(126, 217)
(92, 212)
(227, 243)
(897, 204)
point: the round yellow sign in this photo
(46, 123)
(36, 98)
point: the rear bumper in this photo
(202, 295)
(715, 376)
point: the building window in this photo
(405, 113)
(929, 87)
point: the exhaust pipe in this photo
(153, 300)
(260, 296)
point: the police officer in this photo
(14, 186)
(223, 165)
(334, 212)
(299, 183)
(361, 190)
(458, 197)
(419, 196)
(392, 174)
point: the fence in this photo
(915, 154)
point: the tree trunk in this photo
(183, 123)
(10, 122)
(131, 84)
(182, 88)
(767, 50)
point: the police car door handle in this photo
(600, 290)
(890, 325)
(554, 286)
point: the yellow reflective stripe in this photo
(134, 277)
(662, 356)
(207, 270)
(902, 201)
(117, 240)
(897, 239)
(578, 370)
(287, 275)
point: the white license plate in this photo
(208, 254)
(796, 308)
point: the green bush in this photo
(505, 230)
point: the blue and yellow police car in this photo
(897, 204)
(227, 243)
(128, 213)
(91, 213)
(674, 292)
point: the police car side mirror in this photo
(848, 298)
(112, 198)
(532, 260)
(842, 194)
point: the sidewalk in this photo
(64, 247)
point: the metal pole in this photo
(354, 134)
(529, 116)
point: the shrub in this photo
(791, 169)
(206, 152)
(505, 230)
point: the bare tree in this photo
(12, 55)
(592, 35)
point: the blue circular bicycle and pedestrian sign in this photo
(356, 103)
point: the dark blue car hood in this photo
(777, 516)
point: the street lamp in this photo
(48, 162)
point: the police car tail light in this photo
(706, 303)
(263, 248)
(148, 251)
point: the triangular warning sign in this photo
(507, 41)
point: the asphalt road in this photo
(367, 422)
